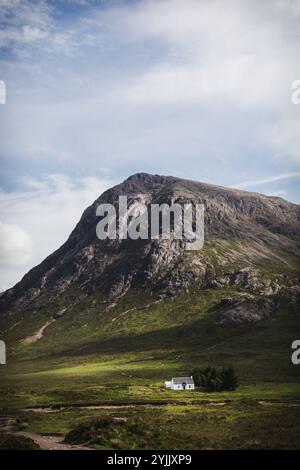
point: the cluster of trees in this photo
(215, 379)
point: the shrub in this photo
(85, 432)
(12, 442)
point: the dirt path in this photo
(46, 442)
(117, 406)
(111, 406)
(38, 334)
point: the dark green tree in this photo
(213, 379)
(229, 378)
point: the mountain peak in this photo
(242, 230)
(145, 181)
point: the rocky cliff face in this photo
(251, 243)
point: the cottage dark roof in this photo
(181, 380)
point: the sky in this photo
(99, 90)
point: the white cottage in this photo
(181, 383)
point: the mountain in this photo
(251, 245)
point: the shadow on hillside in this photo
(198, 335)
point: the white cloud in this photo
(284, 136)
(232, 82)
(39, 218)
(15, 245)
(242, 58)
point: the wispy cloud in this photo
(44, 26)
(267, 180)
(24, 22)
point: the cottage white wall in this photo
(173, 386)
(180, 387)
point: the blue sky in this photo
(98, 90)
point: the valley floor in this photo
(215, 425)
(100, 381)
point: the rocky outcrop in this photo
(246, 309)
